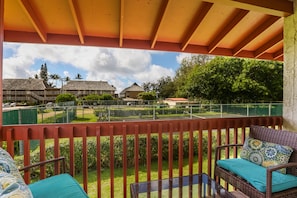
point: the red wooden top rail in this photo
(200, 127)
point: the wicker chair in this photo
(60, 185)
(268, 135)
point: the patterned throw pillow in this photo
(8, 165)
(266, 153)
(11, 186)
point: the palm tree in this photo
(55, 77)
(78, 76)
(67, 78)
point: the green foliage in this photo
(65, 97)
(92, 97)
(229, 80)
(118, 152)
(260, 80)
(185, 69)
(147, 95)
(223, 80)
(167, 87)
(106, 97)
(214, 80)
(96, 97)
(43, 73)
(78, 76)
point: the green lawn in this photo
(118, 179)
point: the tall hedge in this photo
(118, 151)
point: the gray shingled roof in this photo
(23, 84)
(134, 87)
(88, 85)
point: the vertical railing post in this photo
(154, 112)
(1, 56)
(108, 108)
(247, 110)
(98, 154)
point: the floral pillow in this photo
(11, 186)
(266, 153)
(8, 165)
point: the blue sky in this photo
(119, 67)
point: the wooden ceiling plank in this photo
(284, 6)
(121, 33)
(280, 8)
(278, 54)
(34, 19)
(77, 19)
(235, 19)
(160, 19)
(200, 15)
(260, 51)
(254, 33)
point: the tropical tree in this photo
(236, 80)
(55, 77)
(149, 86)
(67, 79)
(78, 76)
(165, 87)
(44, 74)
(186, 67)
(260, 80)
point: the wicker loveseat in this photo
(256, 180)
(13, 185)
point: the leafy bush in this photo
(118, 152)
(65, 97)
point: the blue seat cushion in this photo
(256, 175)
(63, 185)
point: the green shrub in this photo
(118, 152)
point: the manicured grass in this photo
(118, 179)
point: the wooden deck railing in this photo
(215, 131)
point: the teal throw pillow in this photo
(266, 154)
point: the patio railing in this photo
(201, 134)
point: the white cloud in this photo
(120, 67)
(181, 56)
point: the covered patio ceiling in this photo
(241, 28)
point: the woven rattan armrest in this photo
(219, 148)
(269, 175)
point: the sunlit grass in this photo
(118, 177)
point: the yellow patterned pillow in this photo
(266, 153)
(7, 164)
(11, 186)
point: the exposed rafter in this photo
(159, 21)
(277, 55)
(234, 20)
(279, 8)
(122, 14)
(77, 20)
(278, 38)
(254, 33)
(200, 26)
(201, 13)
(34, 19)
